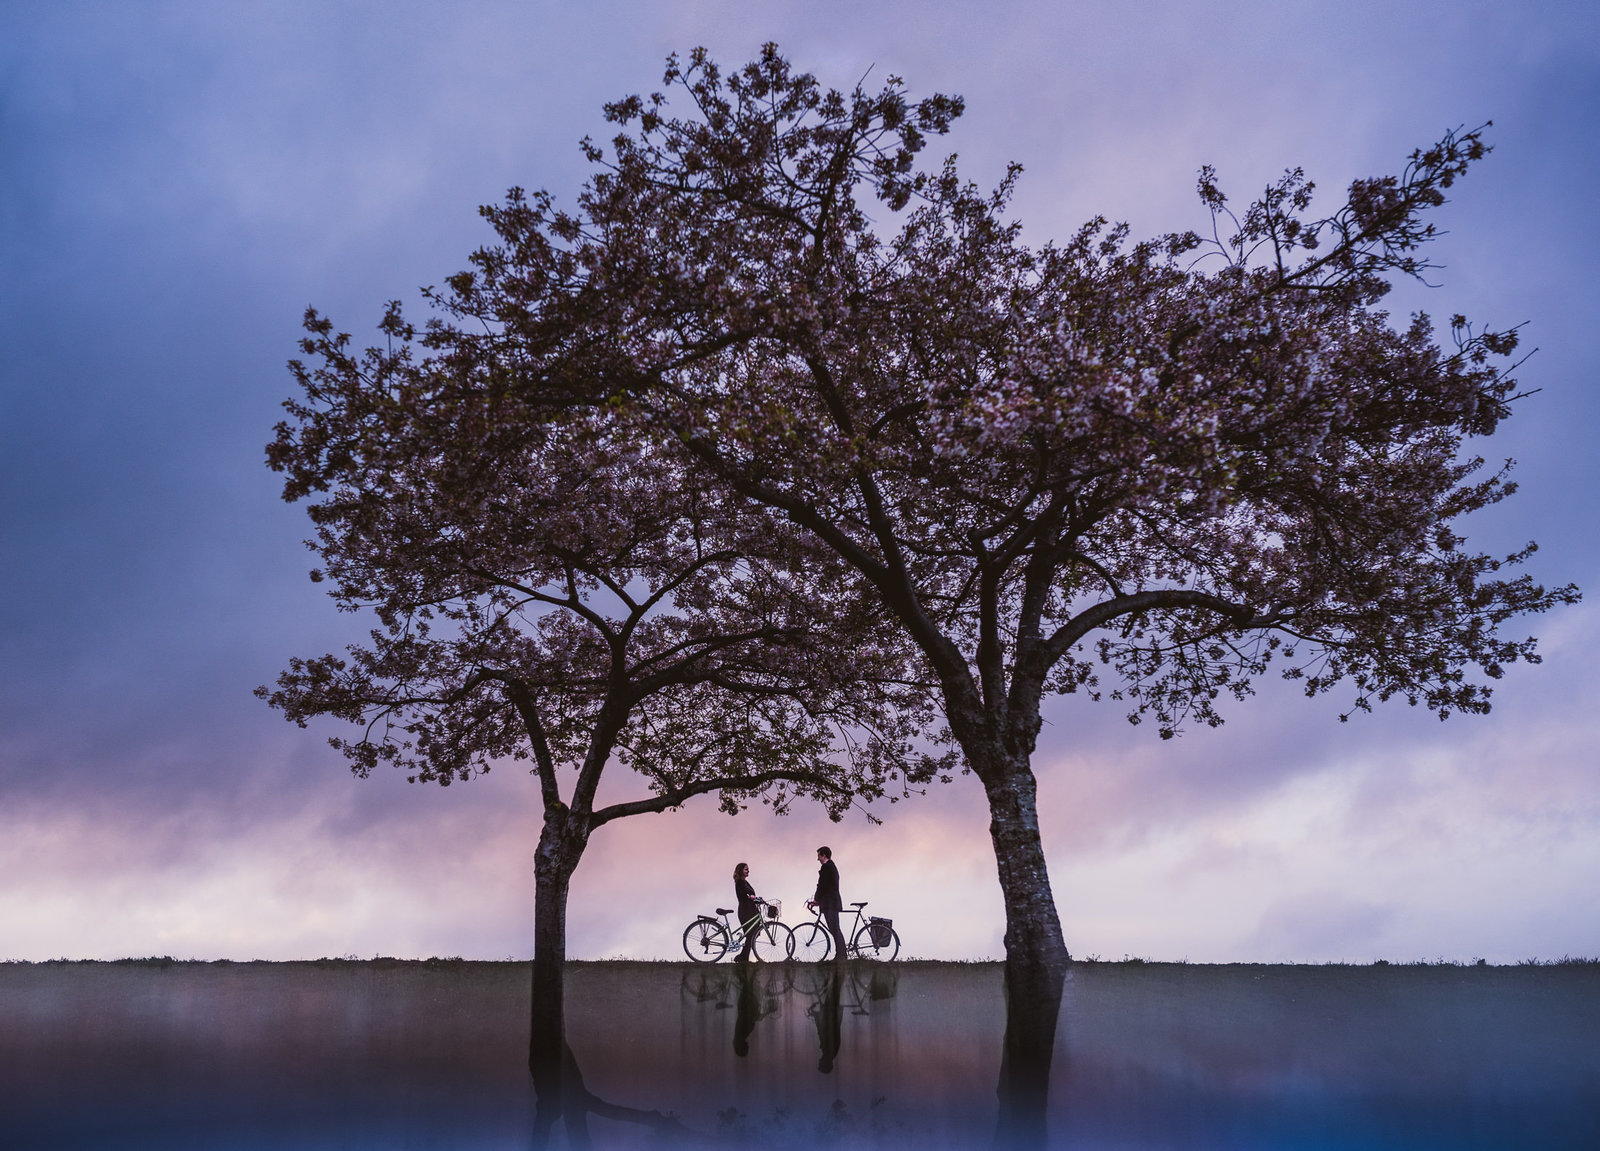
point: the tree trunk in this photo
(560, 847)
(1036, 950)
(1033, 936)
(998, 752)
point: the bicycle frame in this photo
(859, 943)
(708, 939)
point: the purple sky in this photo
(181, 180)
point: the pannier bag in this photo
(881, 931)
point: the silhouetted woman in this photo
(748, 909)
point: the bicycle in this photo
(707, 939)
(873, 939)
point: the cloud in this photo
(186, 179)
(1320, 923)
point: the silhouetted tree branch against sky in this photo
(554, 588)
(1145, 471)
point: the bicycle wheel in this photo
(812, 942)
(705, 941)
(773, 941)
(864, 947)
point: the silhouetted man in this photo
(827, 898)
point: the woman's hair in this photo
(738, 867)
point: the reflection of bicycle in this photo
(873, 939)
(862, 984)
(707, 940)
(706, 985)
(703, 984)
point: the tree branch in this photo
(1104, 612)
(677, 796)
(522, 700)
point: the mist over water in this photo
(421, 1055)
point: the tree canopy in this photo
(558, 591)
(1144, 470)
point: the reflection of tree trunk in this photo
(1033, 1003)
(557, 858)
(561, 1098)
(562, 1094)
(573, 1103)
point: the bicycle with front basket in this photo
(708, 939)
(869, 937)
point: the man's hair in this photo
(825, 852)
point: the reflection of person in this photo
(748, 909)
(829, 1014)
(749, 1013)
(827, 897)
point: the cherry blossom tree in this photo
(552, 588)
(1146, 472)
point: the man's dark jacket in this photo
(827, 895)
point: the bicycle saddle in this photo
(863, 903)
(726, 910)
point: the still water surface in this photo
(413, 1055)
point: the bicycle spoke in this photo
(882, 946)
(772, 942)
(705, 941)
(812, 942)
